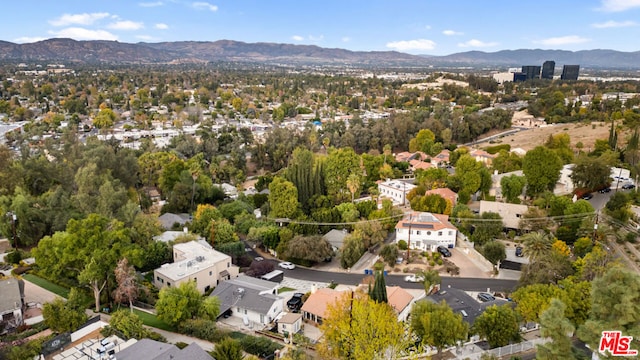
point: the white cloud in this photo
(418, 44)
(452, 32)
(614, 24)
(619, 5)
(144, 37)
(297, 38)
(200, 5)
(151, 4)
(477, 43)
(126, 25)
(83, 34)
(316, 38)
(346, 39)
(562, 40)
(78, 19)
(28, 39)
(161, 26)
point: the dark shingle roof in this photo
(155, 350)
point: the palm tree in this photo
(537, 245)
(353, 184)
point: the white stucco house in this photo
(395, 190)
(426, 231)
(195, 261)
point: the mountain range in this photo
(114, 52)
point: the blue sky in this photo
(437, 27)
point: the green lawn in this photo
(152, 320)
(46, 284)
(284, 289)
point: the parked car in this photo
(605, 190)
(295, 303)
(628, 186)
(414, 278)
(587, 196)
(287, 265)
(444, 251)
(258, 258)
(519, 251)
(485, 297)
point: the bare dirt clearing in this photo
(580, 132)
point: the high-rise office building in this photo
(548, 68)
(519, 76)
(570, 72)
(531, 71)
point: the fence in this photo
(503, 351)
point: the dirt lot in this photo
(585, 133)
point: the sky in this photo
(435, 27)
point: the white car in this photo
(414, 278)
(287, 265)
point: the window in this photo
(228, 264)
(210, 273)
(439, 233)
(418, 232)
(168, 284)
(245, 311)
(261, 319)
(196, 280)
(450, 232)
(428, 232)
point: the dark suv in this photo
(295, 303)
(444, 251)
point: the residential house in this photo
(401, 301)
(416, 164)
(405, 156)
(229, 190)
(396, 190)
(482, 156)
(336, 237)
(565, 185)
(253, 300)
(496, 179)
(442, 159)
(171, 221)
(290, 323)
(463, 304)
(156, 350)
(315, 308)
(169, 236)
(446, 194)
(195, 261)
(12, 304)
(510, 213)
(426, 231)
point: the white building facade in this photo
(395, 190)
(426, 231)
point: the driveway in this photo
(35, 294)
(468, 267)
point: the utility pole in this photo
(595, 229)
(13, 218)
(409, 238)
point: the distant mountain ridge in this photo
(101, 51)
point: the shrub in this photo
(181, 345)
(402, 245)
(13, 257)
(439, 261)
(259, 346)
(202, 329)
(432, 263)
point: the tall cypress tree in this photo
(379, 291)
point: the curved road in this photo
(469, 284)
